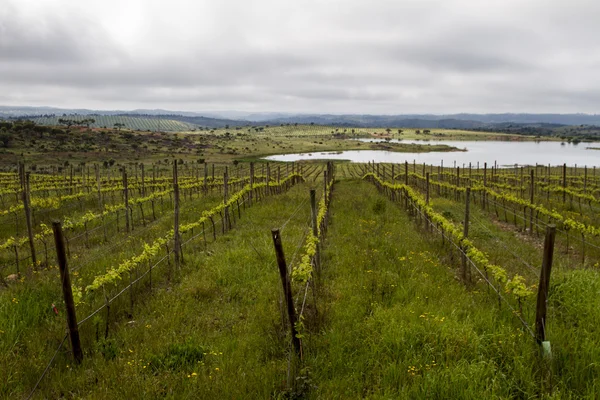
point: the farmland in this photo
(177, 291)
(130, 122)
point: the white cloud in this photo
(311, 56)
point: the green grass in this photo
(388, 317)
(400, 324)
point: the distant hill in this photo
(190, 120)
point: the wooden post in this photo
(252, 183)
(226, 197)
(531, 198)
(427, 189)
(268, 179)
(59, 240)
(205, 178)
(465, 275)
(143, 181)
(27, 210)
(564, 182)
(406, 173)
(542, 298)
(176, 236)
(313, 208)
(97, 170)
(126, 194)
(287, 290)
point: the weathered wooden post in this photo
(315, 230)
(427, 188)
(251, 193)
(564, 182)
(465, 274)
(65, 279)
(287, 290)
(542, 298)
(27, 209)
(176, 236)
(126, 195)
(531, 198)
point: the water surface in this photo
(504, 153)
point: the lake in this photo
(503, 152)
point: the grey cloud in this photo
(352, 56)
(54, 37)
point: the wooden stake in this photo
(465, 274)
(313, 208)
(59, 240)
(542, 298)
(287, 290)
(126, 194)
(27, 209)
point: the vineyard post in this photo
(393, 176)
(287, 289)
(268, 179)
(226, 197)
(278, 176)
(325, 185)
(313, 208)
(585, 179)
(27, 208)
(71, 179)
(176, 237)
(213, 173)
(252, 183)
(126, 194)
(542, 297)
(456, 192)
(97, 171)
(427, 189)
(466, 233)
(564, 182)
(59, 240)
(532, 189)
(143, 180)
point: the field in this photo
(178, 293)
(41, 146)
(129, 122)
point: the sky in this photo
(350, 56)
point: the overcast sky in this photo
(377, 57)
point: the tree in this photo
(67, 122)
(5, 139)
(388, 130)
(119, 125)
(89, 121)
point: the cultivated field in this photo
(400, 281)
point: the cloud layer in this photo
(386, 57)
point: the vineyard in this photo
(128, 122)
(299, 280)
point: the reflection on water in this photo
(502, 152)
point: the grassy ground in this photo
(78, 146)
(388, 317)
(399, 324)
(573, 306)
